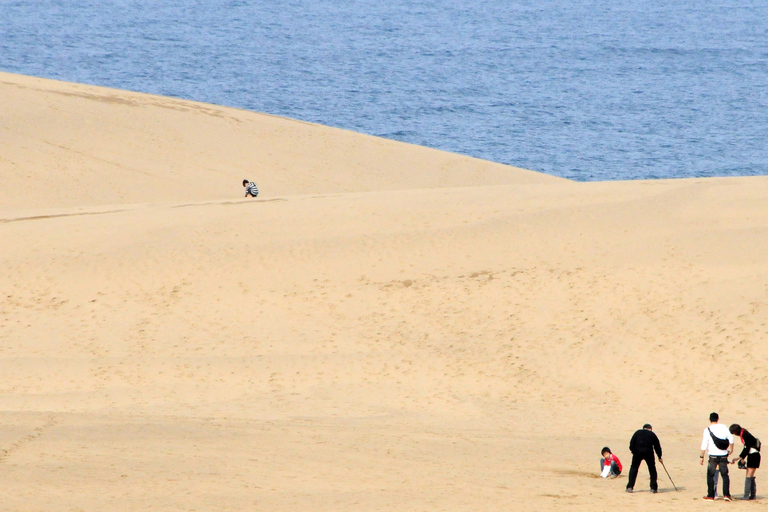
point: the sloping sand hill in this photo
(386, 327)
(71, 145)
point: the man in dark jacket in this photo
(642, 445)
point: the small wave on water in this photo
(585, 90)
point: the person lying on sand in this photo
(610, 465)
(250, 188)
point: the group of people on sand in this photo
(716, 446)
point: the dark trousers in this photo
(650, 460)
(718, 464)
(614, 467)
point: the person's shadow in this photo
(665, 490)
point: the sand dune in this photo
(387, 328)
(71, 145)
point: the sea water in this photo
(584, 89)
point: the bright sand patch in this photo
(387, 327)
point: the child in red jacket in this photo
(610, 465)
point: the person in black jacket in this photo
(751, 453)
(642, 445)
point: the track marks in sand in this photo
(107, 212)
(36, 433)
(436, 340)
(522, 335)
(571, 473)
(121, 210)
(232, 203)
(57, 215)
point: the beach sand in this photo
(387, 327)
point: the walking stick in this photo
(667, 472)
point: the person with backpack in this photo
(642, 445)
(717, 441)
(749, 459)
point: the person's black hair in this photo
(606, 449)
(714, 417)
(245, 182)
(647, 426)
(735, 429)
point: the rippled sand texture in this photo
(386, 327)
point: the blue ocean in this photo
(587, 90)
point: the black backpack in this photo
(722, 444)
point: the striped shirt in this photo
(252, 189)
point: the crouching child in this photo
(610, 465)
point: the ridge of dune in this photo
(97, 145)
(374, 342)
